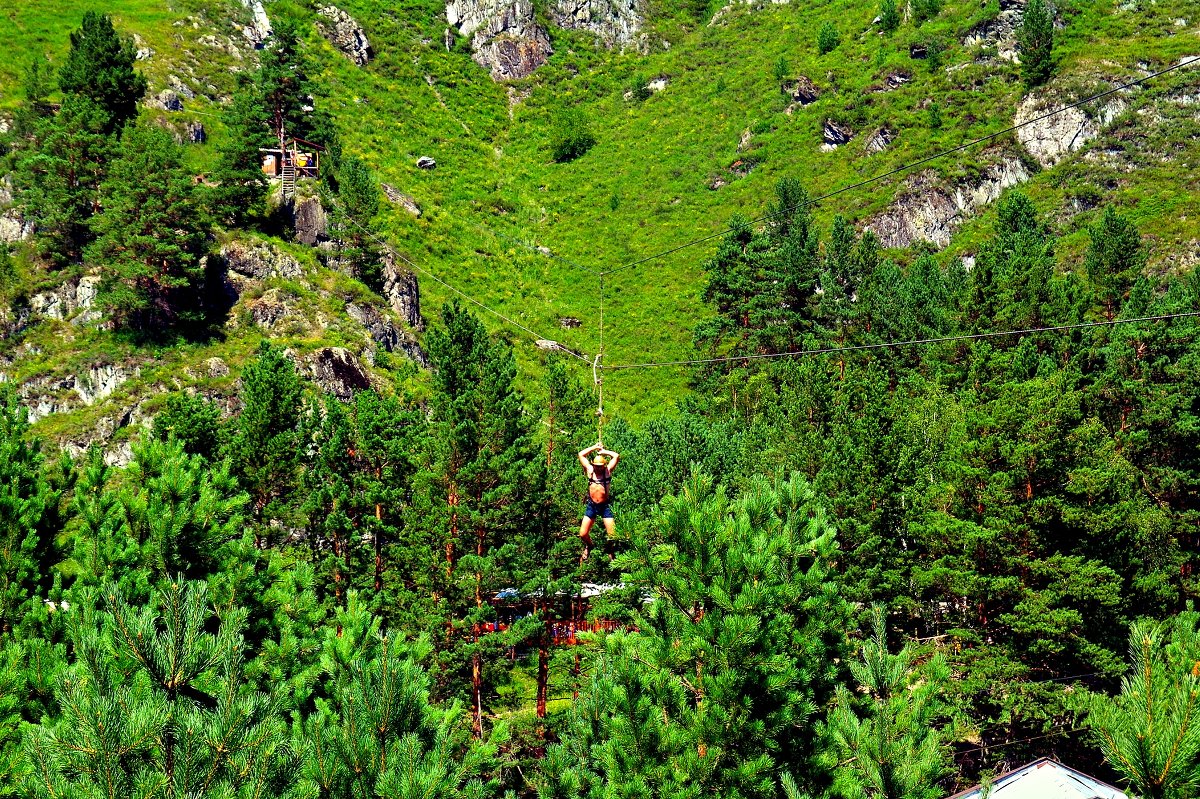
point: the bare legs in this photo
(585, 534)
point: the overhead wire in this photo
(905, 167)
(906, 343)
(386, 245)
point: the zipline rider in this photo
(599, 471)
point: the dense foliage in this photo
(884, 547)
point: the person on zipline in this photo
(599, 471)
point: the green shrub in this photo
(781, 70)
(889, 16)
(935, 116)
(935, 57)
(572, 137)
(827, 38)
(923, 10)
(639, 87)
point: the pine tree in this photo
(486, 495)
(58, 174)
(382, 735)
(358, 199)
(192, 420)
(827, 38)
(25, 503)
(264, 441)
(1035, 41)
(100, 68)
(886, 743)
(1114, 260)
(719, 691)
(242, 188)
(180, 509)
(154, 698)
(150, 233)
(1150, 732)
(285, 87)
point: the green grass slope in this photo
(496, 194)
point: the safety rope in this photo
(598, 374)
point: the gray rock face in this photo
(386, 334)
(13, 227)
(260, 25)
(999, 32)
(168, 100)
(401, 291)
(505, 36)
(834, 134)
(270, 310)
(1050, 140)
(72, 300)
(802, 90)
(310, 221)
(397, 197)
(258, 260)
(929, 211)
(338, 372)
(52, 394)
(340, 29)
(615, 22)
(880, 140)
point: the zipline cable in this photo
(907, 343)
(537, 336)
(906, 167)
(598, 373)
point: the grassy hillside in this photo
(645, 186)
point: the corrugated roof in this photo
(1044, 779)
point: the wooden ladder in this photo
(288, 176)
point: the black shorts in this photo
(594, 509)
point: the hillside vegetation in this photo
(282, 513)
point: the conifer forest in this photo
(578, 399)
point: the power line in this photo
(906, 167)
(537, 336)
(908, 343)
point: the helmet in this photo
(599, 460)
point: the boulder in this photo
(658, 84)
(616, 23)
(918, 51)
(195, 133)
(309, 221)
(397, 197)
(402, 292)
(269, 310)
(999, 32)
(425, 162)
(180, 88)
(215, 367)
(340, 29)
(568, 322)
(338, 372)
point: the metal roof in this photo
(1044, 779)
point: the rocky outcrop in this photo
(270, 310)
(13, 226)
(255, 260)
(50, 394)
(802, 90)
(403, 294)
(310, 221)
(1052, 139)
(616, 23)
(928, 210)
(168, 100)
(397, 197)
(505, 36)
(260, 25)
(385, 333)
(880, 140)
(834, 134)
(340, 29)
(73, 300)
(999, 32)
(338, 372)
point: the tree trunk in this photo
(543, 672)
